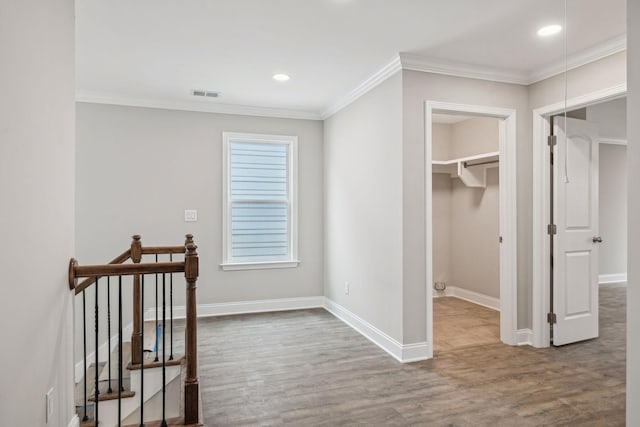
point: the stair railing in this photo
(138, 270)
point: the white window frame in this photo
(291, 142)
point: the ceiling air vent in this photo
(206, 93)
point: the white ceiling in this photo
(154, 52)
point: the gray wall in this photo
(37, 193)
(613, 209)
(475, 229)
(633, 159)
(418, 87)
(139, 168)
(363, 207)
(442, 253)
(610, 117)
(466, 221)
(598, 75)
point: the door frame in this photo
(541, 169)
(508, 213)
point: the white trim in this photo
(592, 54)
(404, 353)
(244, 307)
(374, 80)
(103, 352)
(471, 296)
(540, 268)
(612, 278)
(289, 141)
(75, 421)
(613, 141)
(508, 212)
(459, 69)
(197, 105)
(259, 265)
(524, 337)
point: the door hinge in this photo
(552, 140)
(552, 229)
(551, 318)
(500, 239)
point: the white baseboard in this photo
(471, 296)
(244, 307)
(75, 421)
(612, 278)
(524, 337)
(103, 351)
(403, 353)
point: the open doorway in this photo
(474, 164)
(466, 231)
(580, 264)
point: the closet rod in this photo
(466, 165)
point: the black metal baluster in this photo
(109, 390)
(156, 331)
(164, 351)
(84, 341)
(120, 389)
(171, 309)
(142, 353)
(97, 390)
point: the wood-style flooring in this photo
(458, 323)
(307, 368)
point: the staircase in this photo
(150, 377)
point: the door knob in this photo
(597, 239)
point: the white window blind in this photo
(260, 199)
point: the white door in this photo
(575, 248)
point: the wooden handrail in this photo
(120, 259)
(123, 257)
(163, 250)
(190, 268)
(128, 269)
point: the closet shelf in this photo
(471, 170)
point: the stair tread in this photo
(171, 422)
(150, 363)
(90, 422)
(112, 396)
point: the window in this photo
(259, 201)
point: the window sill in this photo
(232, 266)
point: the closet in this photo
(466, 224)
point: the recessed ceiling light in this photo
(549, 30)
(281, 77)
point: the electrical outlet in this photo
(190, 215)
(49, 405)
(346, 288)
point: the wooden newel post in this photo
(191, 386)
(136, 335)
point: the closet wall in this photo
(466, 220)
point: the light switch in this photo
(190, 215)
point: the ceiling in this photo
(154, 52)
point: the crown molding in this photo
(459, 69)
(198, 106)
(374, 80)
(602, 50)
(404, 61)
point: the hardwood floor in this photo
(458, 323)
(307, 368)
